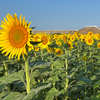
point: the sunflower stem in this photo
(27, 74)
(34, 51)
(6, 69)
(66, 85)
(6, 73)
(42, 53)
(90, 50)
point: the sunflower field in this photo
(47, 67)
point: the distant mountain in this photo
(85, 30)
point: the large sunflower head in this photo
(15, 35)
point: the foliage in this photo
(49, 73)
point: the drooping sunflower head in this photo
(15, 35)
(59, 42)
(58, 51)
(70, 44)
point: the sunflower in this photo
(45, 41)
(15, 35)
(89, 40)
(36, 37)
(76, 33)
(72, 38)
(90, 33)
(83, 38)
(98, 45)
(79, 36)
(55, 36)
(75, 43)
(59, 42)
(68, 36)
(36, 48)
(84, 58)
(97, 36)
(64, 37)
(70, 44)
(58, 51)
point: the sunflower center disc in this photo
(45, 40)
(89, 40)
(18, 36)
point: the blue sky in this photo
(54, 14)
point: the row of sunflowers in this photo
(60, 39)
(47, 66)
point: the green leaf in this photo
(70, 76)
(96, 84)
(1, 68)
(14, 96)
(20, 86)
(63, 75)
(52, 92)
(62, 91)
(32, 94)
(1, 86)
(93, 77)
(83, 78)
(10, 61)
(58, 64)
(80, 82)
(3, 94)
(52, 79)
(42, 65)
(33, 27)
(87, 98)
(71, 58)
(95, 97)
(96, 56)
(34, 43)
(12, 77)
(39, 64)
